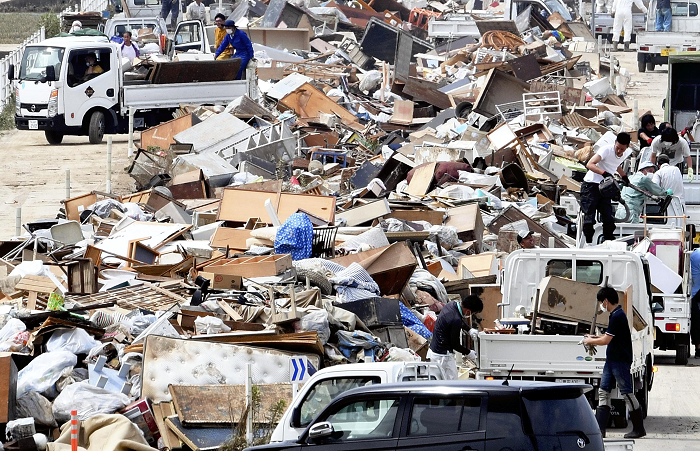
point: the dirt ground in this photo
(34, 174)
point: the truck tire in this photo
(650, 67)
(682, 354)
(316, 279)
(641, 66)
(53, 137)
(96, 127)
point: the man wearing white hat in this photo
(526, 240)
(642, 179)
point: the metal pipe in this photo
(109, 165)
(635, 115)
(67, 183)
(18, 221)
(131, 131)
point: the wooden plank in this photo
(76, 205)
(491, 296)
(36, 283)
(169, 438)
(308, 102)
(427, 92)
(239, 205)
(229, 311)
(421, 180)
(227, 237)
(161, 135)
(365, 213)
(570, 300)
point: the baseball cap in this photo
(524, 234)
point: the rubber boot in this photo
(602, 416)
(638, 430)
(616, 47)
(627, 46)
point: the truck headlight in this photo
(53, 103)
(18, 105)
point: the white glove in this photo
(474, 333)
(471, 355)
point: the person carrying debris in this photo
(622, 14)
(669, 177)
(447, 334)
(219, 35)
(677, 149)
(601, 166)
(241, 44)
(618, 361)
(642, 179)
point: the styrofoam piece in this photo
(662, 277)
(598, 87)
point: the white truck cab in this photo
(325, 385)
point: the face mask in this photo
(667, 145)
(602, 308)
(229, 30)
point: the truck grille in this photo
(34, 107)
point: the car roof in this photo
(465, 386)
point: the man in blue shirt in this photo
(695, 300)
(618, 360)
(241, 44)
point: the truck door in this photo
(91, 81)
(189, 35)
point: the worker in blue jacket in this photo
(241, 44)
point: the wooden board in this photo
(232, 238)
(76, 205)
(308, 102)
(432, 216)
(161, 135)
(491, 296)
(468, 221)
(365, 213)
(239, 205)
(39, 284)
(195, 71)
(160, 412)
(199, 439)
(570, 300)
(421, 180)
(222, 404)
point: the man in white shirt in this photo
(197, 10)
(677, 149)
(602, 165)
(669, 177)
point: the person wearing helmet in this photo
(633, 198)
(241, 44)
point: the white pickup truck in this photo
(560, 358)
(325, 385)
(56, 94)
(654, 47)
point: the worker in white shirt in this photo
(669, 177)
(197, 11)
(677, 149)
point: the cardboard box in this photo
(223, 281)
(8, 387)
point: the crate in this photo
(266, 265)
(375, 312)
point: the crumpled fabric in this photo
(350, 343)
(103, 433)
(354, 283)
(295, 237)
(410, 320)
(422, 279)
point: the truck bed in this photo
(668, 40)
(147, 96)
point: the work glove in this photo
(669, 192)
(471, 355)
(691, 174)
(474, 333)
(625, 180)
(649, 141)
(606, 174)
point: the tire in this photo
(96, 127)
(650, 67)
(682, 354)
(316, 279)
(642, 396)
(641, 66)
(53, 137)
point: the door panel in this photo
(90, 81)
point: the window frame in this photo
(460, 397)
(408, 412)
(83, 52)
(579, 264)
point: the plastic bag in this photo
(43, 372)
(88, 401)
(317, 320)
(34, 405)
(13, 336)
(77, 341)
(206, 325)
(139, 323)
(402, 355)
(371, 81)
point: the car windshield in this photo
(36, 59)
(558, 7)
(554, 412)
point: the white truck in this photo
(560, 358)
(55, 93)
(117, 26)
(654, 47)
(325, 385)
(604, 25)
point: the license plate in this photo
(33, 125)
(569, 381)
(666, 52)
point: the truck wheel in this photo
(650, 66)
(641, 66)
(53, 137)
(682, 355)
(96, 128)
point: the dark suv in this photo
(454, 416)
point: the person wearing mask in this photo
(93, 69)
(677, 149)
(663, 15)
(241, 44)
(526, 240)
(633, 198)
(602, 165)
(172, 8)
(669, 177)
(695, 300)
(447, 334)
(75, 26)
(219, 35)
(197, 11)
(618, 361)
(129, 49)
(622, 14)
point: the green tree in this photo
(51, 23)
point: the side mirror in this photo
(320, 430)
(11, 72)
(656, 307)
(296, 417)
(50, 73)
